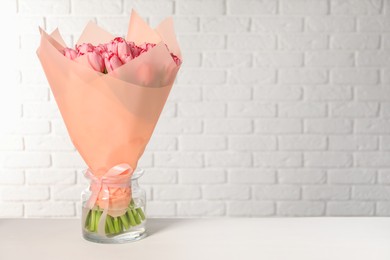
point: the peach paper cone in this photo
(111, 117)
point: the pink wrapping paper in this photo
(111, 117)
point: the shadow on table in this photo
(156, 225)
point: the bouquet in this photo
(110, 92)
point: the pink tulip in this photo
(70, 53)
(112, 62)
(124, 51)
(84, 48)
(96, 61)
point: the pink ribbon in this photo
(113, 178)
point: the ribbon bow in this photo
(102, 184)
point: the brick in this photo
(223, 93)
(227, 59)
(201, 109)
(251, 208)
(354, 41)
(182, 159)
(277, 159)
(11, 177)
(182, 192)
(350, 208)
(202, 76)
(250, 176)
(372, 93)
(278, 125)
(352, 142)
(201, 176)
(200, 7)
(11, 210)
(185, 94)
(162, 143)
(371, 192)
(230, 126)
(41, 110)
(146, 160)
(66, 192)
(330, 24)
(160, 209)
(327, 92)
(252, 76)
(351, 176)
(202, 143)
(28, 24)
(250, 143)
(385, 109)
(11, 143)
(96, 7)
(114, 24)
(373, 24)
(32, 93)
(144, 7)
(68, 160)
(304, 7)
(223, 192)
(300, 208)
(27, 160)
(201, 208)
(278, 59)
(16, 193)
(384, 142)
(158, 176)
(202, 42)
(228, 159)
(353, 7)
(252, 7)
(50, 209)
(30, 75)
(303, 76)
(325, 192)
(46, 143)
(224, 24)
(354, 109)
(302, 41)
(251, 109)
(46, 7)
(276, 192)
(251, 41)
(279, 93)
(302, 142)
(372, 126)
(301, 176)
(372, 159)
(178, 125)
(327, 125)
(329, 59)
(69, 24)
(383, 208)
(328, 159)
(279, 24)
(373, 58)
(184, 24)
(355, 76)
(302, 109)
(50, 176)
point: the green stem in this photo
(92, 221)
(98, 215)
(110, 226)
(136, 216)
(87, 219)
(125, 221)
(131, 217)
(141, 213)
(116, 225)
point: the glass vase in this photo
(116, 214)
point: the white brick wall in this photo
(281, 108)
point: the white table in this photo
(206, 238)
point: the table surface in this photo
(205, 238)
